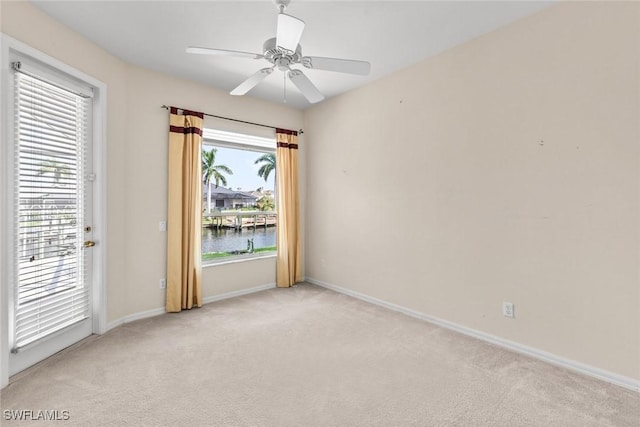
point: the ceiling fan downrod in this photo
(281, 4)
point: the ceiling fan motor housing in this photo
(281, 58)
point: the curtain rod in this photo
(300, 131)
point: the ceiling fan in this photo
(283, 51)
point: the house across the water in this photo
(224, 198)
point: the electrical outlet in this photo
(507, 309)
(162, 226)
(163, 283)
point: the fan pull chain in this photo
(284, 75)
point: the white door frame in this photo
(8, 47)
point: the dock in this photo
(241, 219)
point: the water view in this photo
(228, 239)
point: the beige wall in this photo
(519, 151)
(137, 141)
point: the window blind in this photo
(52, 130)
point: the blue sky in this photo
(245, 172)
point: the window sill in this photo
(236, 259)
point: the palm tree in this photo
(269, 165)
(213, 172)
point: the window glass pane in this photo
(239, 218)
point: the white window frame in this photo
(237, 141)
(10, 50)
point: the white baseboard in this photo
(626, 382)
(241, 292)
(135, 316)
(206, 300)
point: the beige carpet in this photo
(306, 356)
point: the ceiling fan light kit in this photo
(284, 51)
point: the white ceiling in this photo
(389, 34)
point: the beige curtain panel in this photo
(184, 218)
(289, 255)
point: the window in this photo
(238, 178)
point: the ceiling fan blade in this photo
(302, 82)
(334, 64)
(289, 32)
(252, 81)
(222, 52)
